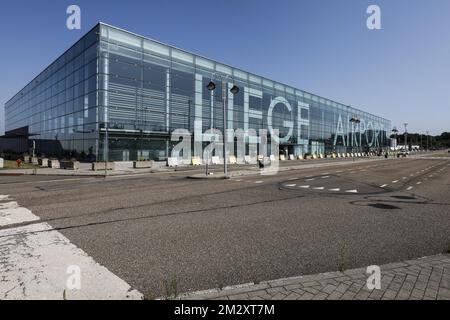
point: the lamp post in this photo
(395, 131)
(354, 120)
(406, 136)
(234, 90)
(428, 133)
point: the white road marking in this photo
(310, 179)
(352, 191)
(318, 188)
(325, 177)
(420, 182)
(258, 182)
(290, 185)
(337, 189)
(304, 187)
(35, 261)
(12, 213)
(395, 181)
(384, 185)
(409, 188)
(404, 178)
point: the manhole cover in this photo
(383, 206)
(404, 197)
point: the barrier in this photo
(216, 160)
(272, 157)
(282, 157)
(70, 165)
(54, 164)
(232, 160)
(142, 164)
(97, 166)
(43, 162)
(196, 161)
(172, 162)
(291, 157)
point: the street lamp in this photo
(406, 136)
(234, 90)
(354, 120)
(428, 133)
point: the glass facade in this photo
(133, 92)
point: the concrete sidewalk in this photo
(235, 170)
(426, 278)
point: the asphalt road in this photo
(153, 228)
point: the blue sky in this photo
(401, 72)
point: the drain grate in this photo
(383, 206)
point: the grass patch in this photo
(9, 164)
(171, 288)
(342, 259)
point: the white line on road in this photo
(258, 182)
(12, 213)
(319, 188)
(36, 260)
(290, 185)
(312, 179)
(384, 185)
(352, 191)
(304, 187)
(395, 181)
(409, 188)
(336, 190)
(420, 182)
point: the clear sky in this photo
(401, 72)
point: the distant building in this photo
(132, 92)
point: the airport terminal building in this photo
(119, 96)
